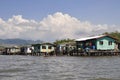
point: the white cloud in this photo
(52, 27)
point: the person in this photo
(86, 49)
(93, 47)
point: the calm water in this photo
(59, 68)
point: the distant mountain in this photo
(18, 42)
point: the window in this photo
(101, 42)
(38, 47)
(43, 47)
(110, 43)
(49, 47)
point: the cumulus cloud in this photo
(52, 27)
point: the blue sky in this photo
(95, 11)
(49, 20)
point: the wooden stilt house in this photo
(12, 50)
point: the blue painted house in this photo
(102, 42)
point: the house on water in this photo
(102, 42)
(27, 50)
(43, 48)
(65, 48)
(12, 50)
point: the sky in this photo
(50, 20)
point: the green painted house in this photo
(43, 48)
(102, 42)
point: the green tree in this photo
(64, 41)
(115, 34)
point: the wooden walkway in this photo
(91, 53)
(97, 53)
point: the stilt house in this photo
(43, 48)
(102, 42)
(12, 50)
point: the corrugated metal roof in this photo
(89, 38)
